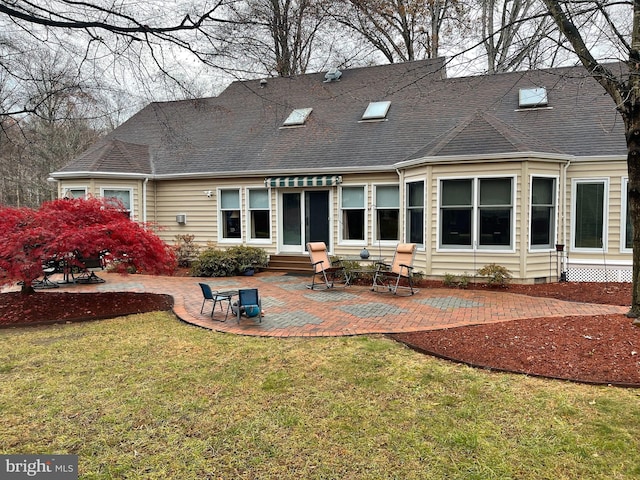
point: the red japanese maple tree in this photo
(68, 230)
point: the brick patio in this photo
(292, 310)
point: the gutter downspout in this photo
(563, 220)
(144, 199)
(402, 192)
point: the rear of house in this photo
(526, 170)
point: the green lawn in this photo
(147, 397)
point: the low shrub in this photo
(186, 250)
(248, 257)
(452, 281)
(214, 262)
(449, 280)
(496, 275)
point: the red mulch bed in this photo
(595, 349)
(598, 349)
(42, 308)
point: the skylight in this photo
(297, 117)
(376, 111)
(533, 97)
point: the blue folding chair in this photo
(209, 295)
(249, 304)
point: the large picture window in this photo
(476, 211)
(415, 213)
(543, 212)
(353, 213)
(387, 212)
(589, 207)
(259, 214)
(230, 214)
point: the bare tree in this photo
(402, 30)
(516, 34)
(58, 128)
(618, 24)
(102, 34)
(279, 36)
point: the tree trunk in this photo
(27, 289)
(633, 195)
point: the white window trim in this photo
(475, 247)
(341, 239)
(624, 200)
(374, 219)
(533, 249)
(221, 238)
(421, 246)
(132, 213)
(247, 218)
(605, 214)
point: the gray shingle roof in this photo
(430, 116)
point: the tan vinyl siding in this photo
(614, 172)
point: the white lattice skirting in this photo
(584, 273)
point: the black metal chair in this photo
(48, 269)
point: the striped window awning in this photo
(310, 181)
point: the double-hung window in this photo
(415, 213)
(75, 192)
(121, 196)
(230, 214)
(589, 208)
(387, 212)
(353, 213)
(259, 214)
(476, 212)
(543, 212)
(456, 213)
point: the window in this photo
(589, 207)
(120, 195)
(543, 212)
(297, 117)
(75, 192)
(387, 212)
(259, 214)
(455, 213)
(230, 213)
(353, 213)
(376, 111)
(476, 211)
(415, 213)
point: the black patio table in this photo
(223, 296)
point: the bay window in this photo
(415, 213)
(476, 211)
(543, 212)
